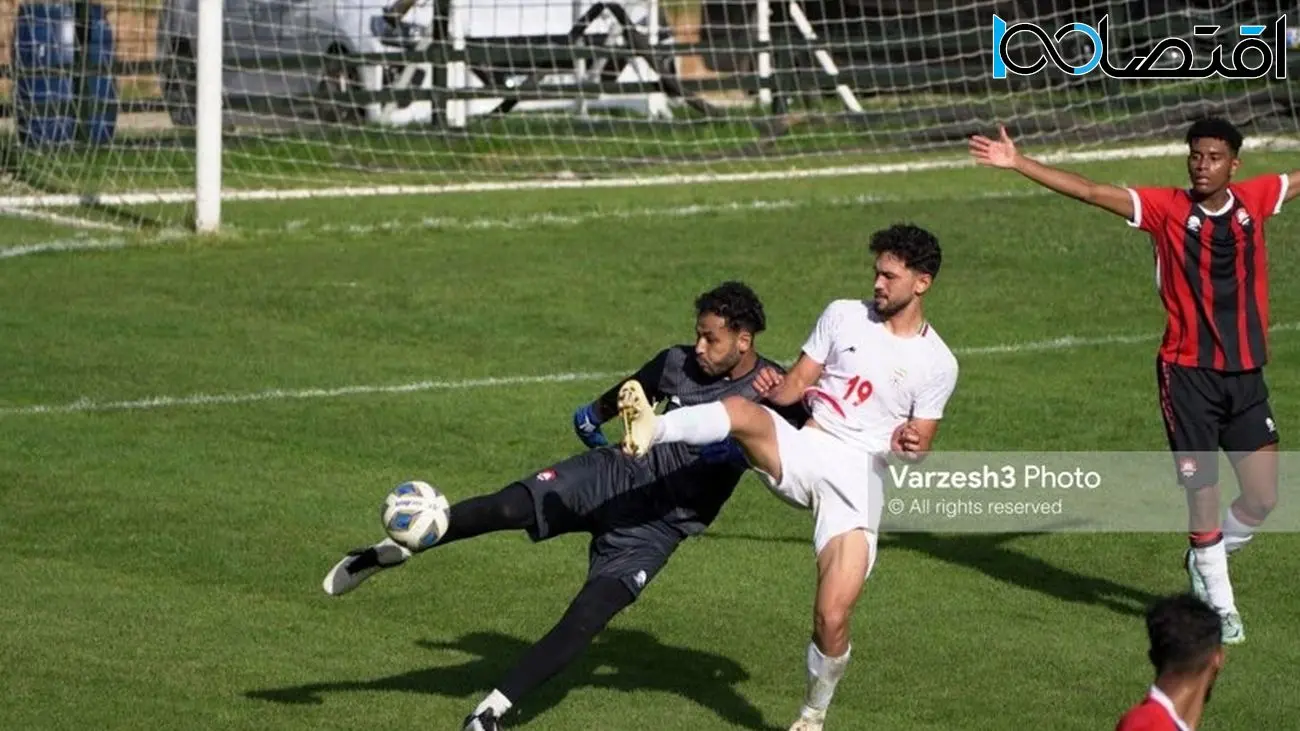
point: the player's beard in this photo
(890, 308)
(723, 366)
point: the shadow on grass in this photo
(990, 555)
(619, 660)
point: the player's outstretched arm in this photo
(1292, 185)
(1002, 153)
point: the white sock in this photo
(1235, 533)
(496, 701)
(698, 425)
(823, 674)
(1212, 562)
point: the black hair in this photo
(1184, 631)
(917, 248)
(736, 303)
(1215, 128)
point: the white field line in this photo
(1070, 342)
(60, 219)
(13, 204)
(86, 242)
(535, 220)
(185, 196)
(162, 402)
(63, 245)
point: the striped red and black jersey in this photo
(1212, 272)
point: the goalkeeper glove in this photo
(726, 451)
(587, 427)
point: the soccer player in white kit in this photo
(875, 377)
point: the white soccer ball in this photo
(416, 515)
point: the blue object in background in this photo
(44, 98)
(101, 85)
(46, 82)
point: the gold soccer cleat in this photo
(639, 418)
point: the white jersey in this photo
(873, 380)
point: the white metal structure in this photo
(899, 76)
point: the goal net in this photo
(103, 112)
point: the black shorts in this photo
(600, 492)
(1206, 411)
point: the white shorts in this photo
(840, 484)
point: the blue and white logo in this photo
(1170, 58)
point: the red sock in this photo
(1204, 538)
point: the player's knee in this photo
(588, 621)
(738, 408)
(1258, 505)
(747, 418)
(598, 603)
(831, 625)
(514, 506)
(1258, 494)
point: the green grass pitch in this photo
(163, 562)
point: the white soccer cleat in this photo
(485, 721)
(807, 724)
(639, 418)
(1232, 544)
(1234, 630)
(361, 564)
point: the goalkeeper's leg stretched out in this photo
(564, 498)
(572, 496)
(511, 508)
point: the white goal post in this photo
(208, 116)
(152, 113)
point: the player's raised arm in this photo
(1292, 185)
(1002, 153)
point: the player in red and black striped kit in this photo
(1212, 274)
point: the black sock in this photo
(587, 615)
(510, 508)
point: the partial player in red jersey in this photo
(1187, 653)
(1212, 276)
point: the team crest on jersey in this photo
(546, 475)
(1187, 467)
(1193, 223)
(1243, 218)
